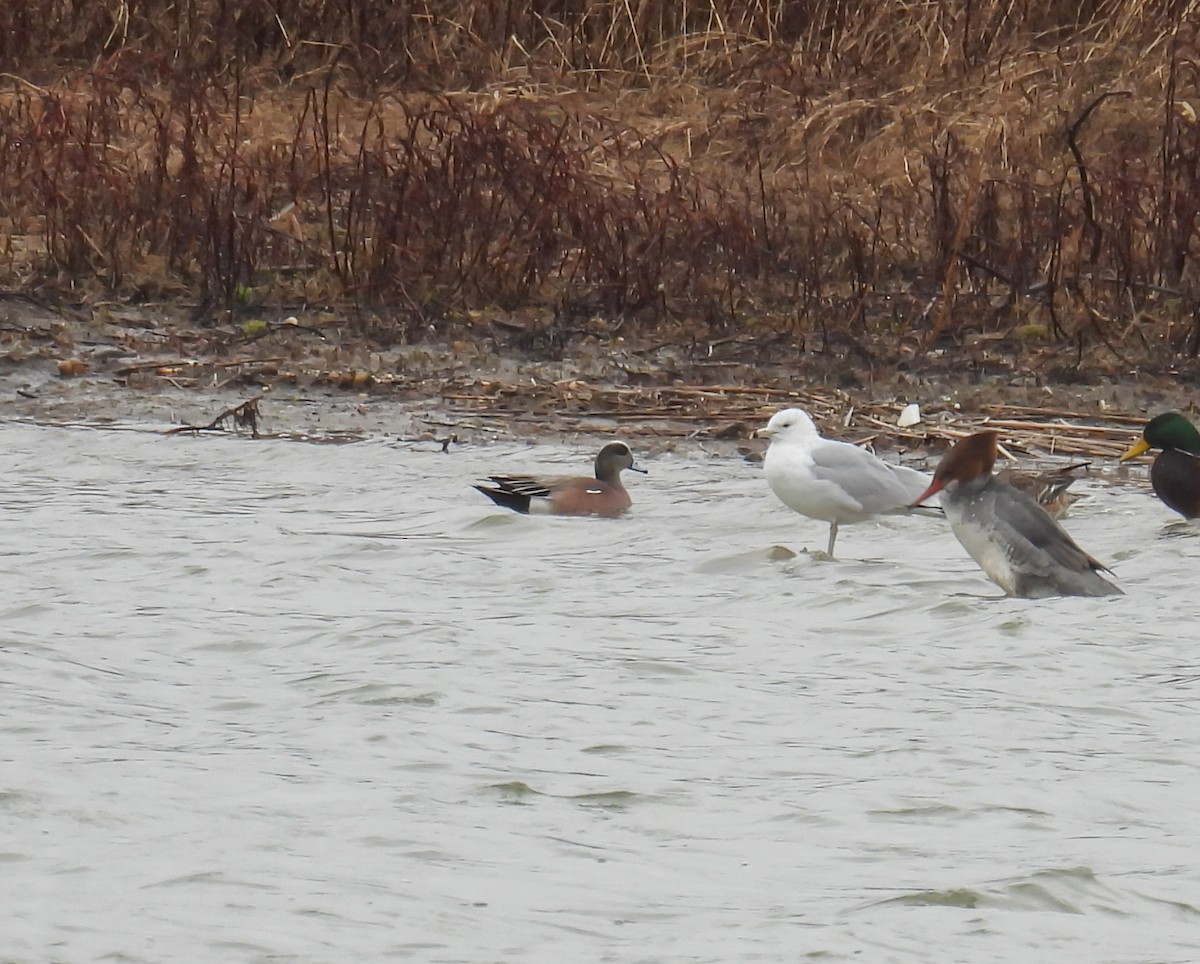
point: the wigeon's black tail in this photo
(506, 499)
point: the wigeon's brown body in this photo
(603, 495)
(1020, 547)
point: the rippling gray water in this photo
(267, 701)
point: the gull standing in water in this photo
(835, 482)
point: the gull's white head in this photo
(790, 424)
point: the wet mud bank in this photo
(320, 376)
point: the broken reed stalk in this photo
(652, 411)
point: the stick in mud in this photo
(244, 415)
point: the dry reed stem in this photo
(716, 164)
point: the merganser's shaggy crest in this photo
(603, 495)
(1021, 548)
(835, 482)
(1175, 474)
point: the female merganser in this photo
(1175, 474)
(603, 495)
(835, 482)
(1021, 548)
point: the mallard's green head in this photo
(1167, 431)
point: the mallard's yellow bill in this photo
(1135, 450)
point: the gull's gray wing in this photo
(876, 485)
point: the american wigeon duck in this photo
(603, 495)
(1012, 538)
(1175, 474)
(832, 481)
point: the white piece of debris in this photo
(910, 415)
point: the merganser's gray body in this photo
(1021, 548)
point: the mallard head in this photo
(1167, 431)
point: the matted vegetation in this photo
(911, 174)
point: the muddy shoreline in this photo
(322, 377)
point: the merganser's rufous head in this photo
(971, 457)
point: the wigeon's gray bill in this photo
(1012, 538)
(603, 495)
(832, 481)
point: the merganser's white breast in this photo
(1021, 548)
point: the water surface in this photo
(269, 701)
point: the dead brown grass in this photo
(919, 173)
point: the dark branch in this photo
(1088, 208)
